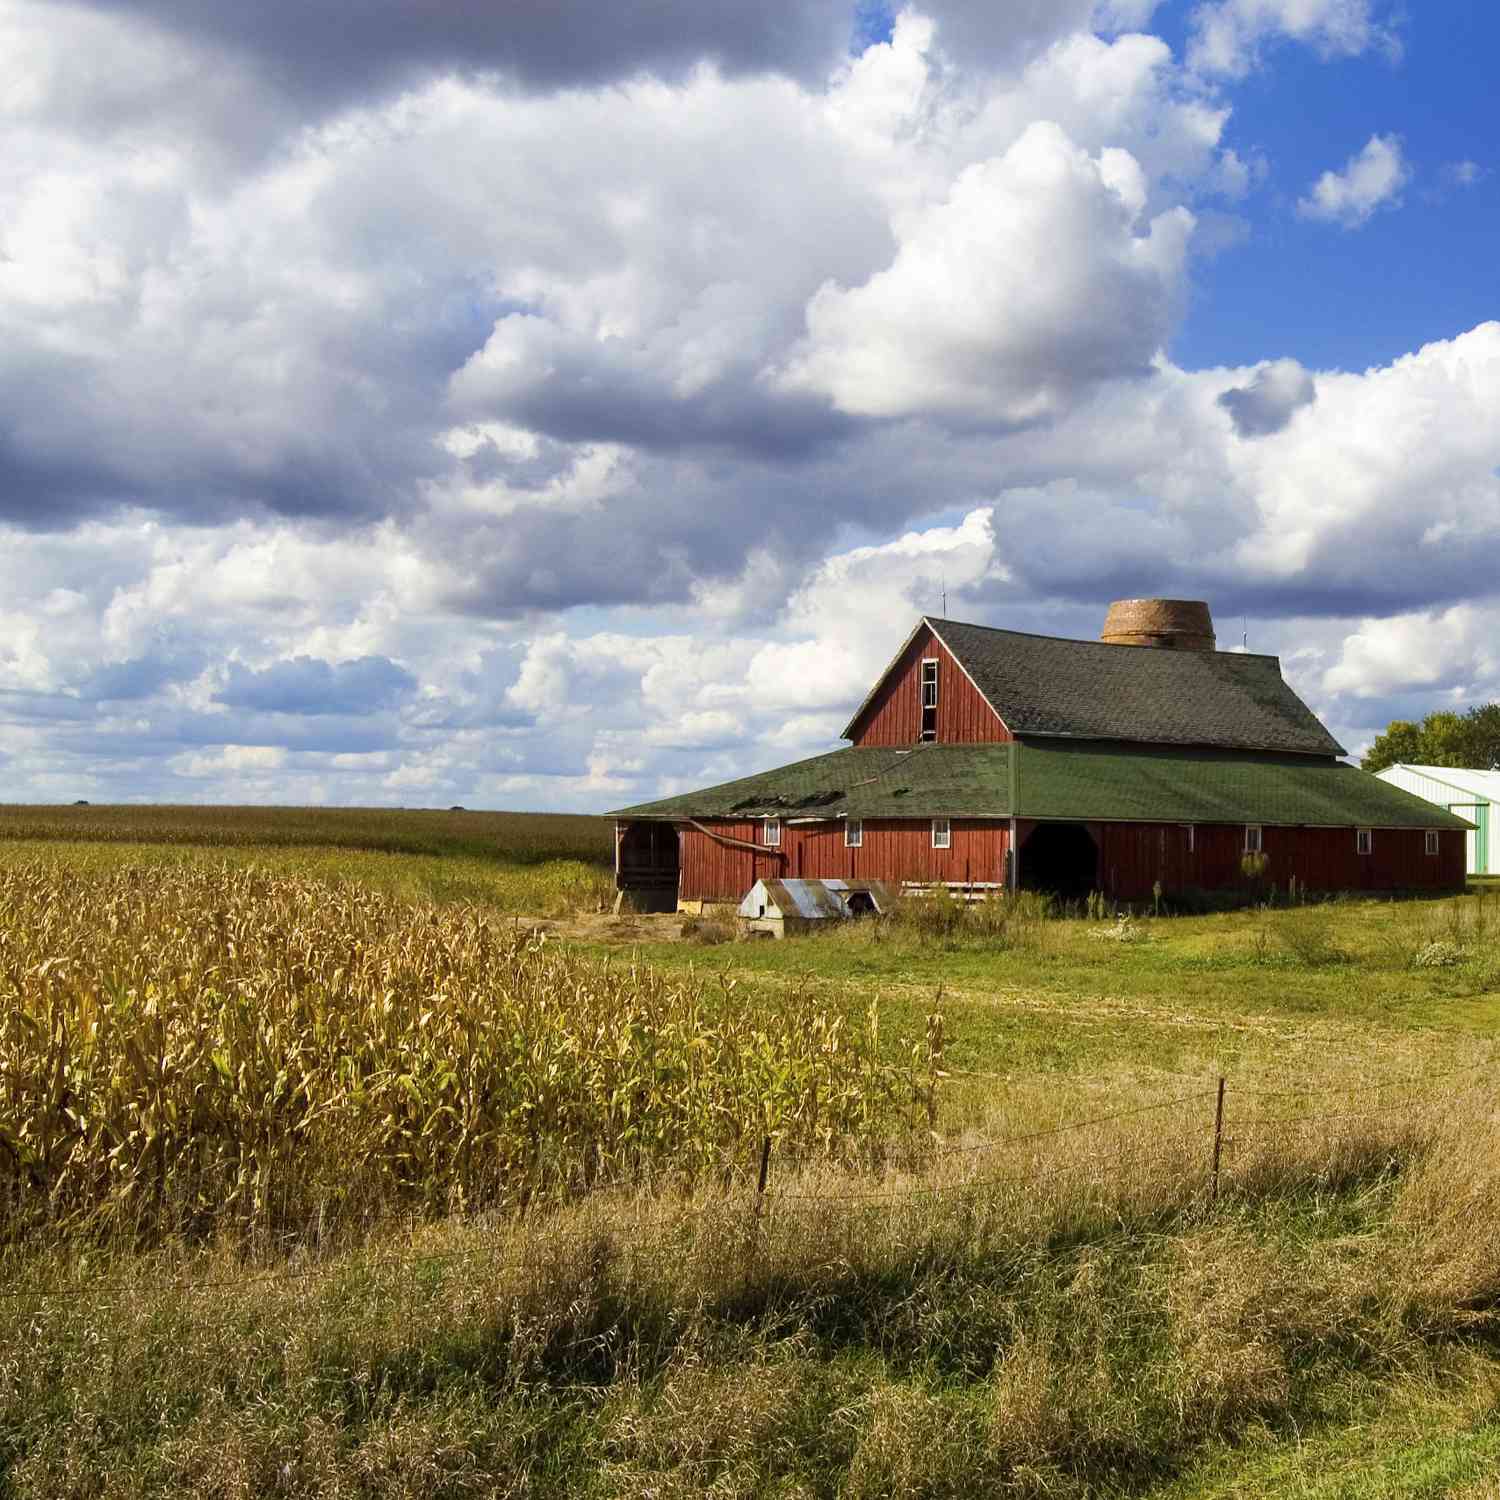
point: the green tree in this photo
(1401, 741)
(1482, 735)
(1443, 738)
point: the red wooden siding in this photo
(1133, 856)
(894, 714)
(892, 850)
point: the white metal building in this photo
(1471, 794)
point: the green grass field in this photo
(1035, 1294)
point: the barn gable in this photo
(899, 709)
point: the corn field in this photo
(193, 1050)
(515, 838)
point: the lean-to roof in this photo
(1062, 780)
(1047, 686)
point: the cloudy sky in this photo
(554, 404)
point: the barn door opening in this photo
(1061, 859)
(647, 866)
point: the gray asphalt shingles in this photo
(1044, 685)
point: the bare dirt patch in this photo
(616, 932)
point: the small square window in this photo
(854, 833)
(942, 834)
(1432, 841)
(1364, 841)
(773, 831)
(1252, 838)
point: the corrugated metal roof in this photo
(1056, 779)
(1051, 686)
(1476, 783)
(813, 900)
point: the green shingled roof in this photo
(1061, 780)
(1111, 784)
(856, 782)
(1048, 686)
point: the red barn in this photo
(990, 758)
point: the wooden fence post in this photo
(760, 1191)
(1213, 1194)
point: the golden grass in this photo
(955, 1336)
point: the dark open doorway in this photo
(648, 868)
(1061, 859)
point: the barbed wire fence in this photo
(1220, 1131)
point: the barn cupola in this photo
(1174, 624)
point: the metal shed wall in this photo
(1471, 794)
(894, 714)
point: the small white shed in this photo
(783, 906)
(1470, 793)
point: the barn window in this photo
(854, 833)
(1252, 838)
(1432, 841)
(773, 831)
(1191, 832)
(942, 834)
(929, 697)
(1364, 840)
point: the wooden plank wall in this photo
(1133, 856)
(894, 716)
(892, 850)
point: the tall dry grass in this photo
(186, 1051)
(1090, 1325)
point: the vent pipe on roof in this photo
(1175, 624)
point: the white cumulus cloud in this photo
(1372, 178)
(1229, 35)
(1427, 649)
(1037, 276)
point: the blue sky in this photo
(554, 405)
(1425, 272)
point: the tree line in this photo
(1443, 738)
